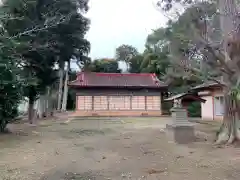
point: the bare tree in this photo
(65, 93)
(61, 75)
(223, 56)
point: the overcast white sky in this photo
(117, 22)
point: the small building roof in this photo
(207, 85)
(186, 96)
(92, 79)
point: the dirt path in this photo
(110, 149)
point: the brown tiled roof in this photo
(91, 79)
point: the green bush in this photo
(194, 109)
(9, 97)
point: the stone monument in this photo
(180, 130)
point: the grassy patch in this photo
(87, 132)
(73, 133)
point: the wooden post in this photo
(108, 103)
(131, 102)
(145, 99)
(92, 102)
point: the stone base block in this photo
(181, 134)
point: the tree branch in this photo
(40, 28)
(217, 54)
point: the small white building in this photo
(213, 108)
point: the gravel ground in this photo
(100, 149)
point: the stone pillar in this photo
(180, 130)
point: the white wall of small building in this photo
(207, 108)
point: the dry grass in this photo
(100, 149)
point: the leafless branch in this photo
(217, 53)
(43, 27)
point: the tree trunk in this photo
(127, 66)
(65, 94)
(45, 105)
(31, 99)
(31, 116)
(226, 130)
(3, 125)
(229, 131)
(61, 71)
(40, 108)
(48, 102)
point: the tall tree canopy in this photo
(10, 81)
(125, 53)
(158, 58)
(44, 33)
(103, 65)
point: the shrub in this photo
(194, 109)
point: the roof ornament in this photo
(177, 103)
